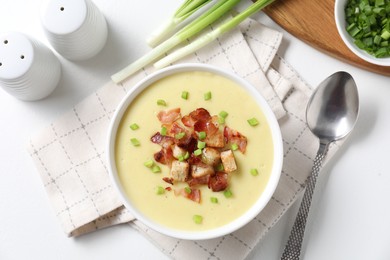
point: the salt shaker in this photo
(28, 69)
(76, 29)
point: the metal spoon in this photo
(331, 114)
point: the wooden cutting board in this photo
(312, 21)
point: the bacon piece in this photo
(241, 142)
(207, 126)
(214, 137)
(200, 126)
(188, 121)
(164, 156)
(194, 159)
(168, 180)
(174, 129)
(164, 141)
(234, 137)
(199, 181)
(190, 145)
(194, 195)
(169, 116)
(200, 114)
(214, 120)
(218, 182)
(168, 188)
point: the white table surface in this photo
(351, 209)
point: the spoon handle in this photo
(292, 251)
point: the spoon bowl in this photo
(331, 114)
(333, 108)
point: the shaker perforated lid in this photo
(76, 29)
(16, 55)
(28, 69)
(64, 17)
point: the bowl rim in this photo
(254, 210)
(339, 17)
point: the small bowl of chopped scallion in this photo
(364, 26)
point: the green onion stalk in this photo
(209, 37)
(186, 10)
(368, 23)
(210, 16)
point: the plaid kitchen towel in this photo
(70, 153)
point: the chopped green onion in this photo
(228, 193)
(202, 135)
(209, 37)
(381, 52)
(368, 23)
(163, 131)
(184, 157)
(207, 18)
(223, 114)
(207, 96)
(379, 2)
(214, 200)
(161, 102)
(220, 167)
(160, 190)
(135, 142)
(201, 145)
(254, 172)
(253, 121)
(156, 169)
(187, 190)
(234, 147)
(198, 152)
(180, 135)
(385, 35)
(198, 219)
(377, 39)
(134, 126)
(221, 120)
(184, 95)
(149, 163)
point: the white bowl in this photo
(339, 15)
(261, 201)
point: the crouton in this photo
(228, 161)
(201, 170)
(179, 170)
(211, 156)
(178, 151)
(215, 140)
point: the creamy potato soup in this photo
(142, 176)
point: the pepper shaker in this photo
(76, 29)
(29, 70)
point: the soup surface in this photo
(140, 183)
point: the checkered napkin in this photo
(70, 153)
